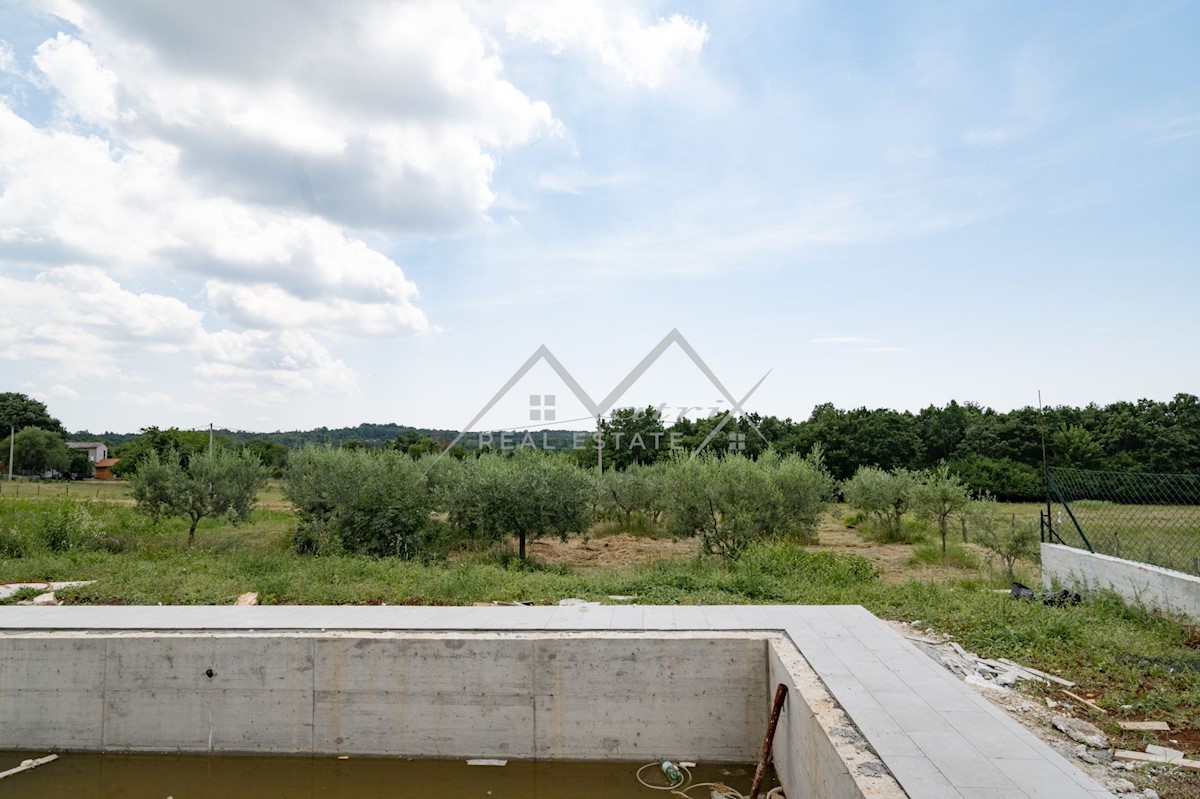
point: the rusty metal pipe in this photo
(765, 755)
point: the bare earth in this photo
(622, 550)
(611, 550)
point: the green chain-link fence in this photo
(1152, 518)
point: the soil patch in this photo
(611, 550)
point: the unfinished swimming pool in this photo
(866, 715)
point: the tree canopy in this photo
(21, 411)
(223, 482)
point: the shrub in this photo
(527, 494)
(726, 502)
(360, 501)
(805, 490)
(937, 496)
(632, 498)
(16, 543)
(730, 502)
(883, 496)
(1007, 540)
(220, 483)
(784, 559)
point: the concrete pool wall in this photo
(867, 715)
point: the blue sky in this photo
(299, 216)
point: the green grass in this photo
(102, 490)
(955, 556)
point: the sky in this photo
(285, 215)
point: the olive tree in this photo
(632, 494)
(882, 495)
(526, 494)
(211, 484)
(364, 501)
(730, 502)
(1006, 540)
(938, 495)
(805, 490)
(726, 503)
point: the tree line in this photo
(999, 453)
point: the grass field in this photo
(1165, 535)
(1138, 665)
(107, 490)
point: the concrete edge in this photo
(1141, 584)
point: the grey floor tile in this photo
(920, 779)
(961, 763)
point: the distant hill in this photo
(375, 434)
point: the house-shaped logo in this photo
(542, 406)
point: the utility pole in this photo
(1045, 460)
(599, 448)
(12, 440)
(210, 439)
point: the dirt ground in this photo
(610, 550)
(622, 550)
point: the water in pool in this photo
(96, 776)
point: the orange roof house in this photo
(104, 468)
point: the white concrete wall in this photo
(699, 696)
(1139, 583)
(95, 453)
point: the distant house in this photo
(104, 468)
(96, 450)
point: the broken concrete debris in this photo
(1002, 673)
(1155, 726)
(1176, 759)
(1081, 731)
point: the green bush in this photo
(884, 497)
(730, 502)
(939, 495)
(805, 490)
(65, 526)
(784, 559)
(527, 494)
(358, 501)
(16, 543)
(1006, 539)
(632, 499)
(727, 503)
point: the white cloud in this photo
(85, 88)
(80, 323)
(880, 350)
(59, 391)
(161, 399)
(134, 212)
(265, 367)
(242, 156)
(386, 118)
(641, 53)
(8, 60)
